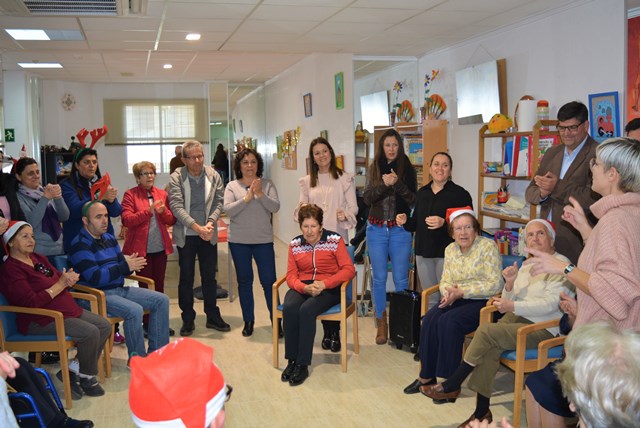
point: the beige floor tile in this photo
(368, 395)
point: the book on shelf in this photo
(520, 166)
(507, 157)
(544, 144)
(514, 207)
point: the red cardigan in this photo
(327, 261)
(137, 217)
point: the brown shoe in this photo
(383, 329)
(438, 395)
(488, 417)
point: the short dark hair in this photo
(573, 110)
(632, 125)
(23, 163)
(310, 211)
(243, 154)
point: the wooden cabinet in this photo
(55, 164)
(484, 140)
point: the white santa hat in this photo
(549, 225)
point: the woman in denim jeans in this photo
(390, 190)
(250, 201)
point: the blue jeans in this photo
(265, 258)
(129, 303)
(384, 242)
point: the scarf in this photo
(50, 223)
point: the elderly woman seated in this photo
(471, 275)
(29, 280)
(318, 263)
(526, 299)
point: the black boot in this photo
(326, 338)
(335, 341)
(248, 329)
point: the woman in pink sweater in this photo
(607, 277)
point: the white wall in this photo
(561, 57)
(284, 111)
(59, 125)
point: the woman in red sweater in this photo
(318, 263)
(146, 214)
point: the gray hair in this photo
(601, 375)
(189, 145)
(623, 154)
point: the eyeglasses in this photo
(147, 174)
(229, 391)
(195, 158)
(593, 162)
(39, 267)
(570, 128)
(461, 228)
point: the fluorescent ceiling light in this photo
(40, 64)
(193, 36)
(215, 123)
(28, 34)
(167, 66)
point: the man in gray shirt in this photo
(195, 198)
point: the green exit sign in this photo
(10, 135)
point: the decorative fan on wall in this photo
(68, 102)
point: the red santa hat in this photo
(178, 385)
(549, 225)
(453, 213)
(12, 229)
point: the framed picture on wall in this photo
(324, 134)
(306, 98)
(339, 87)
(604, 116)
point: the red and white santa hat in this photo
(178, 385)
(452, 213)
(549, 225)
(14, 226)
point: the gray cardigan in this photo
(34, 213)
(250, 222)
(180, 200)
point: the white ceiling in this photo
(249, 41)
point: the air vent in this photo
(87, 7)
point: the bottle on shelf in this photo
(543, 112)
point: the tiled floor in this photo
(368, 395)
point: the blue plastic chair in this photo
(26, 398)
(13, 341)
(339, 312)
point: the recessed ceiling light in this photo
(28, 34)
(193, 36)
(40, 64)
(167, 66)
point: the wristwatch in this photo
(569, 268)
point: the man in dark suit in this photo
(564, 172)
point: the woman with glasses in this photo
(250, 202)
(146, 215)
(29, 280)
(607, 275)
(472, 273)
(44, 209)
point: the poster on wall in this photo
(339, 87)
(633, 69)
(604, 116)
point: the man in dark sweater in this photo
(97, 257)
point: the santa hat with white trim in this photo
(453, 213)
(12, 229)
(178, 385)
(549, 225)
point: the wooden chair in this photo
(102, 310)
(339, 312)
(13, 341)
(523, 360)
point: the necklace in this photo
(325, 195)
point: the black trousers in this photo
(299, 313)
(207, 260)
(29, 381)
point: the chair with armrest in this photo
(339, 312)
(102, 310)
(522, 360)
(29, 403)
(13, 341)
